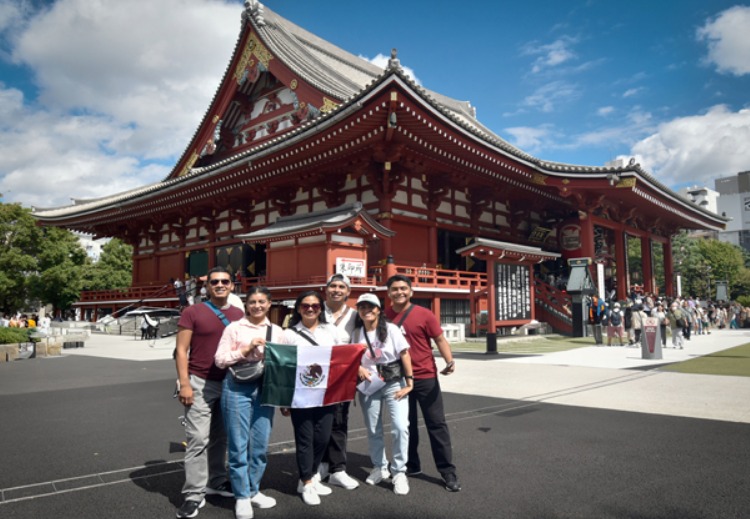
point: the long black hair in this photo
(297, 316)
(381, 330)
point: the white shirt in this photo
(385, 352)
(325, 334)
(346, 324)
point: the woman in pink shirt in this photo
(247, 422)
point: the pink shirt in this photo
(241, 333)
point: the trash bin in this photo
(651, 339)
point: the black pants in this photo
(598, 333)
(335, 454)
(312, 431)
(427, 395)
(663, 330)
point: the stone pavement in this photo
(615, 378)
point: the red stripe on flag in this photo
(342, 377)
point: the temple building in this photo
(310, 161)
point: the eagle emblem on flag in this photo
(312, 376)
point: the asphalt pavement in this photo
(594, 432)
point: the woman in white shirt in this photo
(248, 423)
(386, 358)
(312, 426)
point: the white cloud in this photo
(692, 149)
(605, 111)
(728, 42)
(122, 87)
(550, 55)
(530, 139)
(381, 60)
(546, 97)
(631, 92)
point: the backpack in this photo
(615, 318)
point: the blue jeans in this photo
(372, 408)
(248, 425)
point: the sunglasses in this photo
(224, 281)
(305, 307)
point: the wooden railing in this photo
(425, 277)
(127, 294)
(553, 306)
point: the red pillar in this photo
(491, 308)
(647, 263)
(622, 270)
(668, 269)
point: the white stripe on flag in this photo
(310, 386)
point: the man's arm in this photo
(184, 335)
(445, 351)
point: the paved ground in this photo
(588, 433)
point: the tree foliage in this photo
(114, 269)
(48, 265)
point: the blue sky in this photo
(100, 97)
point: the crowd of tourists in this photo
(680, 318)
(219, 346)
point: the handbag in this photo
(251, 371)
(388, 372)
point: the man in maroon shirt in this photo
(419, 326)
(198, 333)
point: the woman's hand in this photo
(364, 374)
(258, 341)
(404, 391)
(285, 411)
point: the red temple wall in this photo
(411, 243)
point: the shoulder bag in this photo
(250, 371)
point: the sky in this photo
(102, 96)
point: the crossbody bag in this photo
(250, 371)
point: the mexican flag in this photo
(310, 376)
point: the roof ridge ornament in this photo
(394, 62)
(254, 10)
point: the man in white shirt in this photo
(342, 316)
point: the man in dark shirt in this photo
(419, 326)
(199, 330)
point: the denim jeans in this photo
(372, 408)
(248, 425)
(205, 456)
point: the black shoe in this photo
(451, 483)
(190, 508)
(413, 471)
(223, 490)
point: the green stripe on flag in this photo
(279, 375)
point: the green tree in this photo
(113, 270)
(725, 259)
(19, 243)
(60, 262)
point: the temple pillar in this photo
(491, 308)
(647, 264)
(622, 264)
(668, 269)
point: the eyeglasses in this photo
(223, 281)
(305, 307)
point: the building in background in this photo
(734, 203)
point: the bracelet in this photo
(409, 376)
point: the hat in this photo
(369, 298)
(340, 277)
(617, 305)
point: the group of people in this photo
(225, 419)
(680, 318)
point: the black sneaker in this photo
(190, 508)
(223, 490)
(451, 483)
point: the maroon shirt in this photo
(207, 329)
(420, 326)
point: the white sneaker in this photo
(260, 500)
(243, 509)
(323, 470)
(344, 480)
(309, 495)
(319, 487)
(400, 484)
(377, 475)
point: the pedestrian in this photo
(337, 312)
(200, 382)
(308, 328)
(387, 362)
(677, 323)
(420, 326)
(615, 325)
(247, 422)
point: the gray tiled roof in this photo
(511, 247)
(316, 223)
